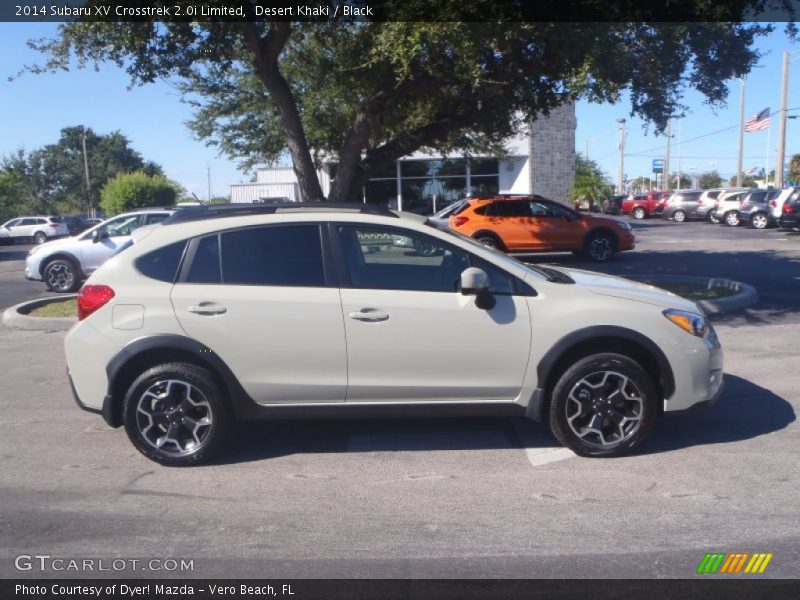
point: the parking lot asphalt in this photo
(433, 498)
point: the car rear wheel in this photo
(639, 213)
(712, 217)
(176, 415)
(60, 275)
(603, 405)
(490, 241)
(40, 237)
(759, 221)
(679, 216)
(732, 218)
(600, 247)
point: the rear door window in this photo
(288, 255)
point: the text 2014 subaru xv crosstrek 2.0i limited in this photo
(285, 312)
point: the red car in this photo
(641, 206)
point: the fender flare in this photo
(544, 369)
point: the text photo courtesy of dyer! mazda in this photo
(309, 311)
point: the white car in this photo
(776, 205)
(726, 207)
(37, 229)
(276, 312)
(63, 264)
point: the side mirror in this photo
(475, 282)
(98, 235)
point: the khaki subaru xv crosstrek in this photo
(298, 311)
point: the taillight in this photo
(92, 297)
(459, 221)
(745, 204)
(788, 208)
(773, 204)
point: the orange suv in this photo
(533, 223)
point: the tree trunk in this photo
(266, 51)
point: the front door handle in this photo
(207, 309)
(369, 315)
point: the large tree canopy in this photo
(365, 94)
(52, 179)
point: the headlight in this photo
(624, 225)
(34, 250)
(689, 322)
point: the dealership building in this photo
(539, 161)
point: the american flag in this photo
(751, 171)
(758, 122)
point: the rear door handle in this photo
(369, 315)
(207, 309)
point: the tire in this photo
(490, 241)
(732, 219)
(712, 218)
(599, 247)
(587, 413)
(190, 411)
(679, 216)
(639, 213)
(759, 221)
(40, 237)
(61, 275)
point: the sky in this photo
(34, 108)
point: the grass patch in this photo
(64, 308)
(692, 291)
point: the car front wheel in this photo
(40, 237)
(176, 415)
(61, 276)
(679, 216)
(600, 247)
(732, 218)
(603, 405)
(639, 213)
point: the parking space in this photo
(14, 288)
(433, 498)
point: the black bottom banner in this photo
(431, 589)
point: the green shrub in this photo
(129, 191)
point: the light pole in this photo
(621, 171)
(781, 156)
(741, 136)
(665, 177)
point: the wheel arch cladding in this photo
(146, 352)
(605, 339)
(488, 233)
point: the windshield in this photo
(546, 273)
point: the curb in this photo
(13, 318)
(746, 295)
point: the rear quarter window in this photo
(162, 264)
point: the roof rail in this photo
(216, 211)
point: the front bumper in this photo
(697, 365)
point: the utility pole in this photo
(782, 133)
(680, 123)
(86, 171)
(740, 168)
(208, 169)
(665, 179)
(621, 173)
(586, 153)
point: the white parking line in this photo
(536, 454)
(543, 456)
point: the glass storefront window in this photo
(483, 186)
(484, 166)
